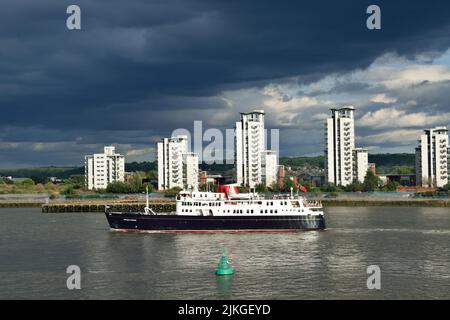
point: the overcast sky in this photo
(139, 69)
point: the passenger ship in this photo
(225, 210)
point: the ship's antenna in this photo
(147, 207)
(146, 197)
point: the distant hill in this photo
(316, 162)
(393, 159)
(141, 166)
(42, 172)
(38, 173)
(385, 162)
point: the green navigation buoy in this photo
(224, 268)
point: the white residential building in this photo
(249, 148)
(269, 167)
(344, 164)
(103, 168)
(360, 164)
(340, 142)
(190, 170)
(432, 158)
(173, 171)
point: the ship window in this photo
(266, 210)
(271, 211)
(276, 211)
(251, 211)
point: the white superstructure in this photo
(246, 204)
(103, 168)
(431, 158)
(176, 166)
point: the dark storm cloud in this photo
(135, 60)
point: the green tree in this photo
(172, 192)
(26, 183)
(77, 181)
(274, 187)
(118, 187)
(371, 181)
(330, 187)
(261, 188)
(242, 189)
(152, 174)
(354, 187)
(288, 184)
(403, 169)
(391, 186)
(68, 190)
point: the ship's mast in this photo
(146, 196)
(147, 206)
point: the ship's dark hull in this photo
(180, 223)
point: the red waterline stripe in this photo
(212, 231)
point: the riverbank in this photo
(99, 206)
(386, 202)
(161, 205)
(169, 206)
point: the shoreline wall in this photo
(170, 206)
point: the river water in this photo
(409, 244)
